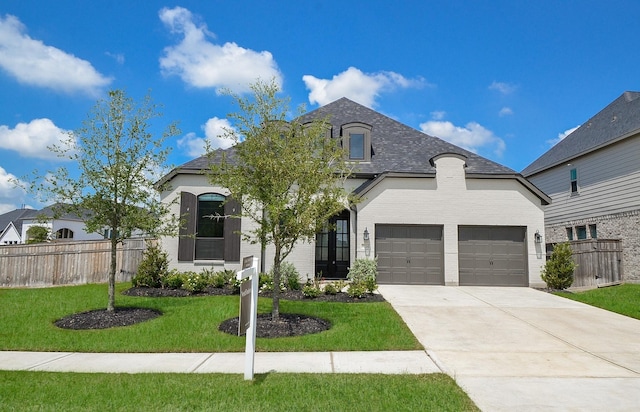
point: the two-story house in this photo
(593, 179)
(431, 212)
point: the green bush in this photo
(558, 271)
(153, 267)
(194, 282)
(357, 290)
(289, 276)
(362, 274)
(218, 280)
(310, 291)
(173, 280)
(330, 289)
(37, 234)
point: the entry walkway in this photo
(519, 349)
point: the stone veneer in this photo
(625, 226)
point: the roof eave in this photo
(544, 198)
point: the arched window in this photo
(210, 230)
(64, 233)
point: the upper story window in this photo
(581, 232)
(64, 234)
(570, 233)
(573, 174)
(357, 138)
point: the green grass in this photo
(187, 325)
(622, 299)
(46, 391)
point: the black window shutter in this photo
(189, 214)
(232, 231)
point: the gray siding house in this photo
(593, 179)
(431, 212)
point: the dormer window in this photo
(357, 138)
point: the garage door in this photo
(492, 256)
(410, 254)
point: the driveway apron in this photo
(520, 349)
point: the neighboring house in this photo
(593, 178)
(11, 226)
(64, 227)
(431, 212)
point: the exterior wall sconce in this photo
(538, 237)
(365, 235)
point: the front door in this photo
(332, 248)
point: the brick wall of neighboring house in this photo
(625, 226)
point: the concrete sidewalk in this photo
(398, 362)
(519, 349)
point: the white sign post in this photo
(248, 323)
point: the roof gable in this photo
(619, 120)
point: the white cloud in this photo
(361, 87)
(33, 139)
(214, 130)
(504, 88)
(201, 63)
(472, 137)
(505, 111)
(34, 63)
(561, 136)
(118, 57)
(438, 114)
(10, 195)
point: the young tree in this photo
(117, 157)
(558, 270)
(287, 175)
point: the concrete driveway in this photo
(519, 349)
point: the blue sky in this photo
(502, 78)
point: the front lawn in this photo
(622, 299)
(47, 391)
(188, 324)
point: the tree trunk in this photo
(111, 305)
(275, 311)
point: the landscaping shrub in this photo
(310, 291)
(153, 267)
(362, 274)
(330, 289)
(173, 280)
(558, 271)
(357, 290)
(289, 276)
(218, 280)
(194, 282)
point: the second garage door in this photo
(492, 256)
(410, 254)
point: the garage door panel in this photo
(409, 254)
(493, 256)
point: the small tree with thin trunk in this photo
(118, 158)
(558, 270)
(288, 175)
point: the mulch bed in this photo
(103, 319)
(288, 324)
(286, 295)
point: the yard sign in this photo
(248, 310)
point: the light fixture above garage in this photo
(365, 235)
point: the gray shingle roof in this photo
(620, 119)
(395, 147)
(14, 216)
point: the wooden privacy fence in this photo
(599, 262)
(67, 263)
